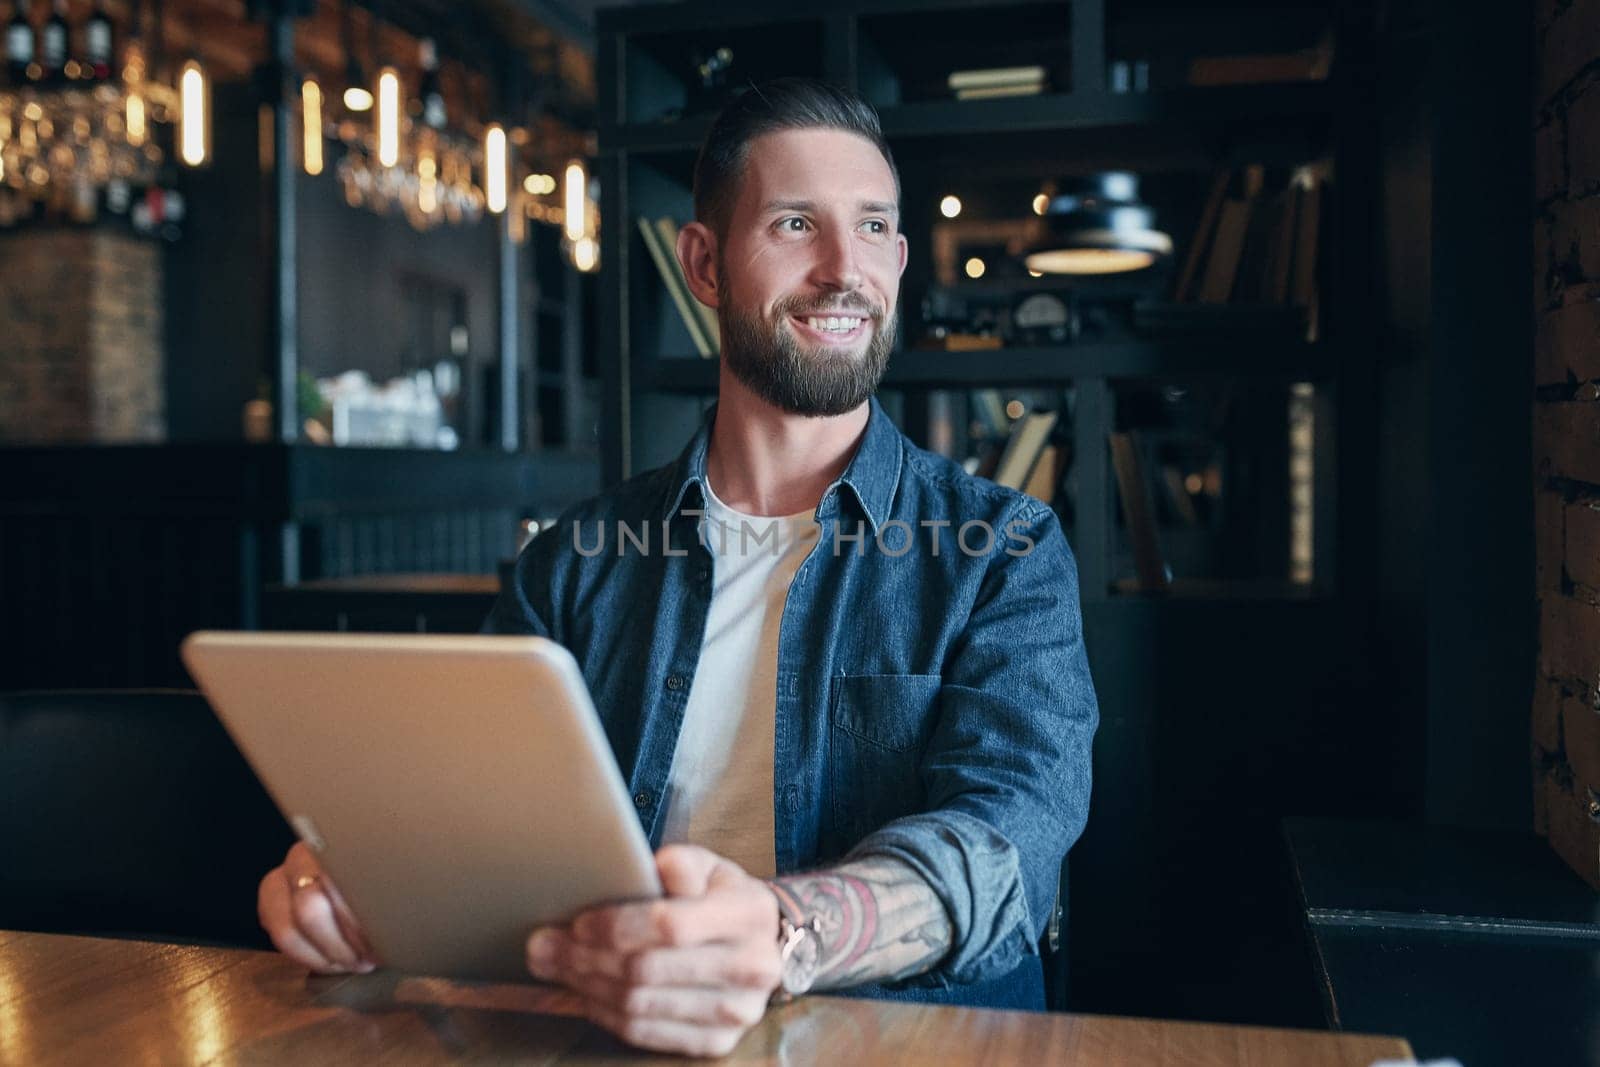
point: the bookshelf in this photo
(1234, 696)
(652, 120)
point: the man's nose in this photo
(836, 267)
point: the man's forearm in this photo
(879, 920)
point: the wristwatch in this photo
(799, 953)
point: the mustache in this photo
(847, 302)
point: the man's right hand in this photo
(308, 920)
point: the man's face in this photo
(809, 271)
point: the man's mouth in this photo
(832, 329)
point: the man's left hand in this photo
(689, 973)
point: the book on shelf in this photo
(1152, 569)
(1188, 277)
(1253, 252)
(1227, 246)
(1302, 286)
(991, 82)
(1029, 437)
(1304, 65)
(664, 254)
(1041, 484)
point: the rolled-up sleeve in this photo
(1007, 769)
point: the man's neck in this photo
(764, 461)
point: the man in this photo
(845, 680)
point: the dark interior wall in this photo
(1478, 549)
(353, 307)
(1405, 296)
(217, 282)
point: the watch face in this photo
(800, 967)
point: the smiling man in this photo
(848, 689)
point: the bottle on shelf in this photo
(53, 44)
(99, 44)
(20, 44)
(429, 94)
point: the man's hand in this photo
(308, 920)
(689, 973)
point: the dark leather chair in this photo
(130, 813)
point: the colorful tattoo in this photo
(879, 920)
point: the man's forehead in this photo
(817, 165)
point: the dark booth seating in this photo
(130, 812)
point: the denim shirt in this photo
(934, 702)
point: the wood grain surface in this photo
(78, 1000)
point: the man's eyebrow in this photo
(874, 207)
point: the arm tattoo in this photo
(879, 920)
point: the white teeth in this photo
(833, 324)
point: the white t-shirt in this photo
(719, 794)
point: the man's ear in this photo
(905, 251)
(697, 255)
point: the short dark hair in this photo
(780, 104)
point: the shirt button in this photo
(674, 682)
(705, 574)
(641, 800)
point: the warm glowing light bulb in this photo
(574, 200)
(494, 168)
(311, 124)
(357, 98)
(950, 207)
(192, 118)
(1015, 409)
(427, 182)
(388, 117)
(1040, 202)
(135, 119)
(585, 254)
(975, 267)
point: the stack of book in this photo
(987, 83)
(661, 240)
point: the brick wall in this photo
(81, 350)
(1566, 418)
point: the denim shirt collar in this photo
(872, 475)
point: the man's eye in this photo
(793, 224)
(876, 226)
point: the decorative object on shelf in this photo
(1044, 318)
(713, 84)
(1128, 76)
(1096, 225)
(78, 136)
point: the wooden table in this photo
(77, 1000)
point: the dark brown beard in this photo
(767, 359)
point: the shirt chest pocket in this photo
(879, 726)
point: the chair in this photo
(130, 812)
